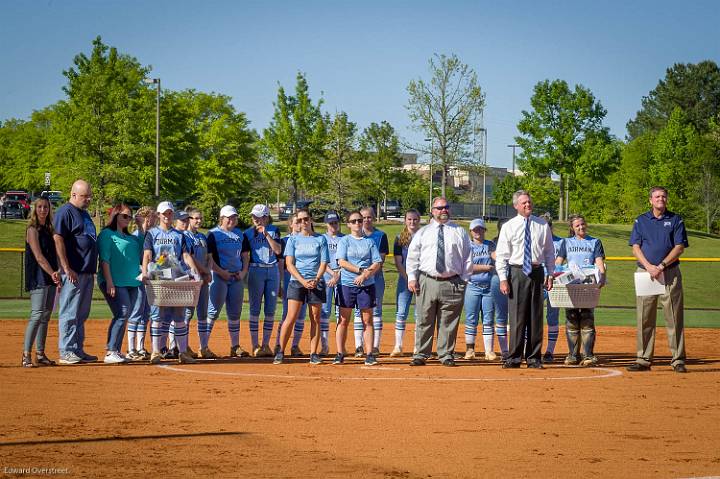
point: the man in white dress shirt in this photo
(438, 267)
(525, 244)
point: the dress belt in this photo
(439, 278)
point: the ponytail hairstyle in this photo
(405, 235)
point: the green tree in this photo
(562, 125)
(448, 109)
(341, 160)
(381, 153)
(295, 139)
(694, 88)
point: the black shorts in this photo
(297, 292)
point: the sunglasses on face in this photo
(198, 218)
(355, 221)
(442, 207)
(124, 216)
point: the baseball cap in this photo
(182, 215)
(331, 216)
(164, 206)
(228, 211)
(260, 211)
(477, 222)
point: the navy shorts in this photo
(361, 297)
(297, 292)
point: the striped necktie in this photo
(440, 259)
(527, 251)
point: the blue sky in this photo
(361, 55)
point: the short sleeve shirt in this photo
(227, 248)
(658, 236)
(162, 242)
(78, 232)
(581, 251)
(360, 252)
(260, 251)
(197, 244)
(121, 253)
(481, 255)
(309, 252)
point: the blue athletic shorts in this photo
(296, 292)
(361, 297)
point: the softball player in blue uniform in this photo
(182, 221)
(231, 252)
(198, 244)
(500, 302)
(306, 257)
(582, 250)
(552, 315)
(332, 277)
(263, 278)
(382, 245)
(478, 294)
(166, 240)
(295, 351)
(359, 258)
(403, 296)
(145, 219)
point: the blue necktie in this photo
(440, 259)
(527, 250)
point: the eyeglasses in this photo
(355, 221)
(442, 207)
(304, 219)
(124, 216)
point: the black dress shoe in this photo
(535, 365)
(450, 362)
(417, 362)
(510, 365)
(680, 368)
(635, 367)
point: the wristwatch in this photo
(361, 270)
(662, 263)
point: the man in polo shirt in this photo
(658, 239)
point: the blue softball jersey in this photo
(581, 252)
(332, 242)
(198, 246)
(361, 252)
(227, 247)
(172, 241)
(260, 251)
(480, 254)
(309, 252)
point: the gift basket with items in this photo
(575, 287)
(170, 284)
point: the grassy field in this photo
(698, 277)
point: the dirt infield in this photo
(248, 418)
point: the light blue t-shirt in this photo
(309, 252)
(582, 252)
(167, 242)
(227, 248)
(360, 252)
(260, 251)
(480, 254)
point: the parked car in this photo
(14, 210)
(55, 197)
(287, 210)
(391, 209)
(22, 197)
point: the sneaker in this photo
(589, 361)
(535, 365)
(504, 356)
(186, 358)
(456, 356)
(238, 352)
(205, 353)
(315, 359)
(370, 360)
(276, 350)
(87, 358)
(295, 351)
(43, 360)
(172, 353)
(680, 368)
(279, 356)
(417, 362)
(490, 356)
(469, 354)
(134, 356)
(70, 358)
(155, 358)
(359, 352)
(571, 361)
(113, 357)
(144, 354)
(324, 350)
(509, 364)
(449, 362)
(27, 361)
(266, 351)
(396, 352)
(376, 352)
(191, 352)
(548, 358)
(339, 359)
(636, 367)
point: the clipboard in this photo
(646, 286)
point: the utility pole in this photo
(432, 154)
(513, 148)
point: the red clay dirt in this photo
(249, 418)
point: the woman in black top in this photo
(41, 280)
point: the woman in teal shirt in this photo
(119, 253)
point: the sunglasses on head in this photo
(355, 221)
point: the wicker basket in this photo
(173, 293)
(574, 295)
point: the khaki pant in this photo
(672, 304)
(438, 302)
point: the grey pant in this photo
(580, 328)
(672, 304)
(439, 302)
(41, 304)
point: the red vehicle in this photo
(21, 197)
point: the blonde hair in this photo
(405, 235)
(34, 221)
